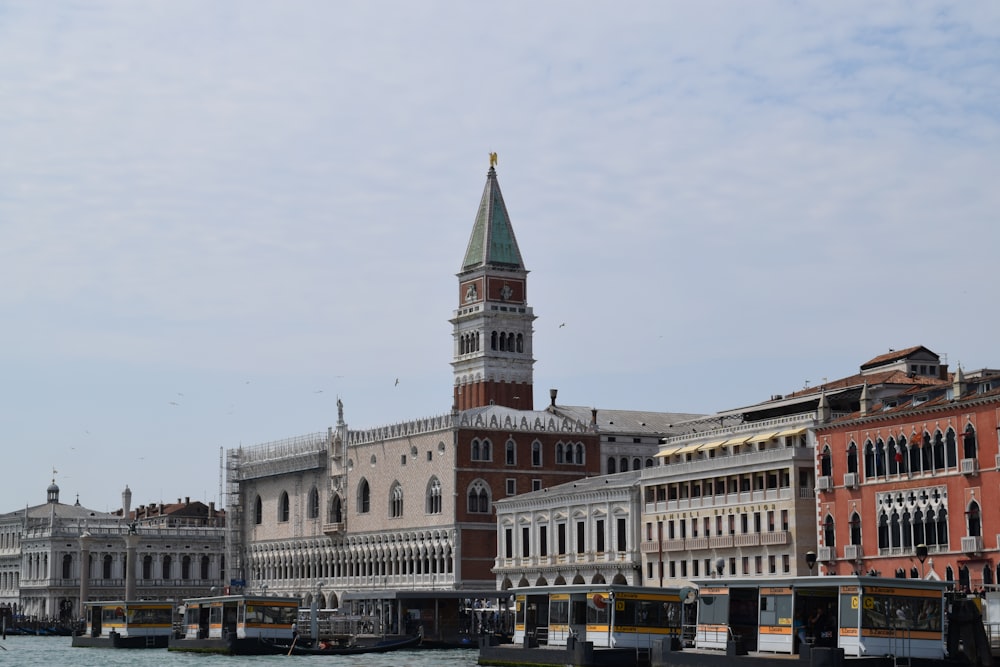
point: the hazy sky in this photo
(219, 216)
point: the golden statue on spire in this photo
(493, 160)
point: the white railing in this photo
(972, 544)
(824, 483)
(853, 551)
(851, 480)
(970, 466)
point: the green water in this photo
(56, 651)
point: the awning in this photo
(738, 441)
(667, 451)
(711, 445)
(764, 437)
(687, 449)
(789, 432)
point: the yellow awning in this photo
(711, 445)
(764, 437)
(686, 449)
(667, 451)
(791, 431)
(738, 441)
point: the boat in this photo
(236, 624)
(126, 624)
(382, 645)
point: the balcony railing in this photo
(774, 537)
(824, 483)
(853, 552)
(851, 480)
(970, 466)
(747, 540)
(825, 554)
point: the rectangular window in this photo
(562, 538)
(758, 563)
(525, 541)
(785, 564)
(402, 460)
(599, 530)
(536, 485)
(694, 568)
(744, 524)
(771, 566)
(511, 487)
(784, 519)
(649, 570)
(770, 521)
(511, 459)
(581, 538)
(756, 522)
(746, 565)
(684, 568)
(430, 455)
(543, 540)
(622, 541)
(673, 569)
(508, 539)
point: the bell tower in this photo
(493, 322)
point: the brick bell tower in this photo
(493, 322)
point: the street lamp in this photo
(921, 556)
(720, 564)
(810, 561)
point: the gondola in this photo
(380, 646)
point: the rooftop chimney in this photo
(552, 395)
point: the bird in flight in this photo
(397, 382)
(562, 325)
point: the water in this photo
(57, 652)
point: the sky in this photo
(216, 218)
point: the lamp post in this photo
(921, 556)
(810, 561)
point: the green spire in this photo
(492, 242)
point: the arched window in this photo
(396, 501)
(969, 450)
(611, 465)
(503, 341)
(855, 528)
(879, 458)
(883, 532)
(918, 527)
(852, 457)
(485, 451)
(364, 497)
(520, 342)
(493, 340)
(915, 459)
(939, 451)
(147, 567)
(283, 510)
(434, 496)
(930, 528)
(559, 452)
(963, 577)
(869, 460)
(67, 566)
(623, 464)
(974, 520)
(479, 497)
(536, 453)
(942, 527)
(511, 453)
(900, 454)
(258, 511)
(336, 510)
(580, 451)
(951, 448)
(314, 503)
(475, 449)
(894, 536)
(829, 534)
(106, 570)
(892, 453)
(927, 453)
(825, 463)
(636, 463)
(649, 462)
(907, 529)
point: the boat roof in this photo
(246, 599)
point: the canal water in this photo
(57, 652)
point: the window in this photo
(258, 511)
(622, 536)
(543, 541)
(434, 496)
(536, 453)
(364, 497)
(508, 543)
(313, 503)
(599, 536)
(396, 501)
(561, 538)
(511, 487)
(479, 497)
(165, 563)
(536, 485)
(511, 455)
(283, 507)
(186, 567)
(525, 541)
(581, 537)
(336, 510)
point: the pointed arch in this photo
(364, 496)
(433, 495)
(478, 495)
(969, 446)
(284, 510)
(258, 511)
(313, 507)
